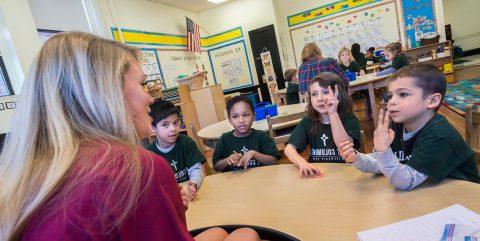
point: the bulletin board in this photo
(151, 66)
(175, 62)
(230, 66)
(375, 24)
(419, 20)
(8, 104)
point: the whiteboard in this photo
(374, 25)
(175, 62)
(230, 66)
(8, 105)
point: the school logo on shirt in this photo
(181, 175)
(324, 138)
(402, 157)
(173, 163)
(251, 163)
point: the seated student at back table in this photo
(290, 77)
(369, 56)
(329, 121)
(393, 53)
(180, 151)
(243, 147)
(358, 55)
(348, 63)
(421, 144)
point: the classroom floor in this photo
(367, 125)
(468, 61)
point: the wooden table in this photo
(370, 82)
(335, 207)
(214, 131)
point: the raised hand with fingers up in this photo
(332, 100)
(383, 136)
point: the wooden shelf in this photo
(431, 51)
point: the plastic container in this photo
(271, 110)
(351, 75)
(260, 110)
(260, 113)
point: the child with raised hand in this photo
(421, 144)
(329, 121)
(393, 53)
(347, 62)
(243, 147)
(180, 151)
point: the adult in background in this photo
(71, 168)
(313, 63)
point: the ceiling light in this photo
(216, 1)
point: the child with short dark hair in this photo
(393, 53)
(180, 150)
(370, 56)
(291, 78)
(329, 121)
(243, 147)
(421, 144)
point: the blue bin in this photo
(271, 110)
(260, 110)
(351, 75)
(260, 113)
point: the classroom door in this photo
(260, 39)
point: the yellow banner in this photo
(162, 39)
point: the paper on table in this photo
(426, 228)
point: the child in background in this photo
(421, 144)
(370, 57)
(243, 147)
(329, 122)
(359, 56)
(292, 95)
(180, 150)
(347, 62)
(393, 53)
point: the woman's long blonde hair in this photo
(310, 50)
(74, 95)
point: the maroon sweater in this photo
(87, 213)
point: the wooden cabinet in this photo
(439, 55)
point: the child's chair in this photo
(363, 147)
(273, 126)
(206, 165)
(472, 129)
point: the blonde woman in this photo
(313, 63)
(71, 168)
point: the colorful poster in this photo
(376, 25)
(419, 21)
(230, 66)
(151, 66)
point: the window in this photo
(5, 86)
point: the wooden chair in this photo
(274, 125)
(363, 147)
(472, 129)
(201, 147)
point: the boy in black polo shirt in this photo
(421, 144)
(179, 150)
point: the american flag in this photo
(193, 36)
